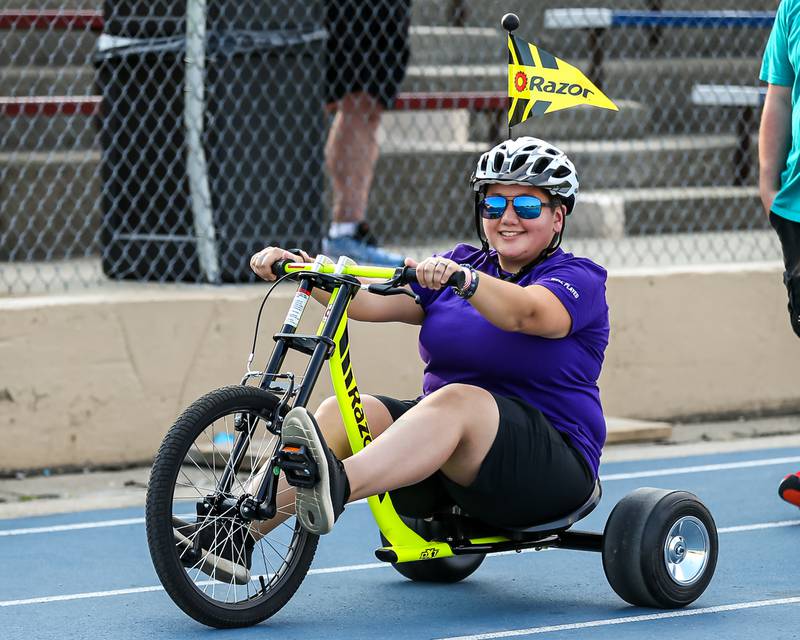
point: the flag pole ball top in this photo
(510, 22)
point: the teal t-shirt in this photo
(780, 64)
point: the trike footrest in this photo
(386, 555)
(298, 465)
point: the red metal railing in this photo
(51, 19)
(89, 105)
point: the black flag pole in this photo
(510, 22)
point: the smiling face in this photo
(516, 240)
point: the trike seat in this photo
(562, 523)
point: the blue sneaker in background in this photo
(362, 248)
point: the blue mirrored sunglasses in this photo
(527, 207)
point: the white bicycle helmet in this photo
(529, 161)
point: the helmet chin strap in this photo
(478, 226)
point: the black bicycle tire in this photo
(633, 546)
(158, 510)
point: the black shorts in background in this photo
(367, 47)
(532, 473)
(789, 233)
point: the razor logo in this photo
(358, 413)
(352, 392)
(537, 83)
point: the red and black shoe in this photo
(789, 489)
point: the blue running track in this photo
(64, 582)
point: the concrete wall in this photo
(98, 378)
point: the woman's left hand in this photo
(434, 272)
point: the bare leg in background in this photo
(351, 153)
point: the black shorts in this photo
(789, 233)
(367, 47)
(532, 473)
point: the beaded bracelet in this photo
(470, 283)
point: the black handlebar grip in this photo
(409, 274)
(279, 267)
(456, 280)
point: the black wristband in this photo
(469, 291)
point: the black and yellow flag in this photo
(540, 83)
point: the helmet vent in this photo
(541, 165)
(551, 151)
(498, 162)
(519, 161)
(561, 172)
(484, 162)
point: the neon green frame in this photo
(406, 544)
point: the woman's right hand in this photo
(261, 262)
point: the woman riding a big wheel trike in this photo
(501, 451)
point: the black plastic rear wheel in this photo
(660, 548)
(452, 569)
(188, 469)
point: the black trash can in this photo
(263, 137)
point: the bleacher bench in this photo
(494, 103)
(748, 100)
(596, 21)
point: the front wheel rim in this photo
(687, 549)
(204, 462)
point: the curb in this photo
(627, 430)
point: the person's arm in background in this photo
(774, 141)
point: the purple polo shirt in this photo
(557, 376)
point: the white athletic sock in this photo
(339, 229)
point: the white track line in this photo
(354, 567)
(125, 592)
(760, 525)
(653, 473)
(71, 527)
(79, 596)
(675, 471)
(628, 619)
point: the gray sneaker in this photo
(361, 247)
(317, 504)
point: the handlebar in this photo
(397, 276)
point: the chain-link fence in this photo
(164, 140)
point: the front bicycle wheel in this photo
(189, 500)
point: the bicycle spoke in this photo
(261, 459)
(269, 544)
(229, 439)
(267, 563)
(202, 456)
(189, 457)
(280, 542)
(196, 488)
(212, 438)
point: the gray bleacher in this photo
(670, 158)
(660, 149)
